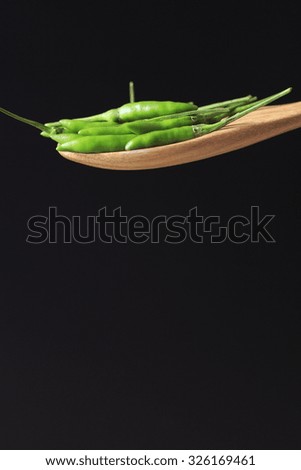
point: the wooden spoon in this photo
(262, 124)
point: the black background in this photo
(148, 346)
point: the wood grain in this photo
(257, 126)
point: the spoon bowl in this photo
(262, 124)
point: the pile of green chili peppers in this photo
(144, 124)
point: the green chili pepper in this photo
(110, 115)
(96, 143)
(75, 125)
(45, 134)
(145, 125)
(60, 138)
(155, 138)
(142, 110)
(119, 129)
(206, 113)
(149, 109)
(53, 124)
(148, 125)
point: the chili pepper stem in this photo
(241, 108)
(207, 128)
(36, 124)
(132, 92)
(242, 100)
